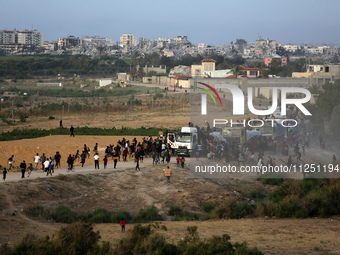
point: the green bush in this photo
(233, 209)
(39, 212)
(147, 214)
(80, 238)
(158, 95)
(258, 194)
(208, 207)
(100, 215)
(17, 134)
(175, 210)
(116, 217)
(63, 214)
(300, 199)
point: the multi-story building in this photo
(265, 47)
(30, 37)
(8, 36)
(97, 40)
(207, 65)
(128, 41)
(21, 37)
(291, 48)
(69, 42)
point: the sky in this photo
(215, 22)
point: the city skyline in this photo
(214, 23)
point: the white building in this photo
(290, 47)
(30, 37)
(21, 37)
(128, 41)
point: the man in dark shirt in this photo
(23, 169)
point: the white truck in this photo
(184, 142)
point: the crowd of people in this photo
(124, 150)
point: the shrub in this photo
(116, 217)
(233, 209)
(158, 95)
(51, 117)
(100, 215)
(258, 194)
(208, 207)
(22, 116)
(37, 211)
(147, 214)
(63, 214)
(175, 210)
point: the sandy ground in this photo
(26, 149)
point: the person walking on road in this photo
(96, 161)
(167, 174)
(83, 158)
(23, 169)
(36, 161)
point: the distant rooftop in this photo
(208, 60)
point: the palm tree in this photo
(100, 49)
(236, 70)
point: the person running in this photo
(51, 165)
(137, 162)
(70, 162)
(72, 130)
(77, 156)
(95, 149)
(30, 169)
(122, 224)
(83, 158)
(57, 159)
(47, 167)
(115, 160)
(36, 161)
(23, 169)
(10, 162)
(96, 161)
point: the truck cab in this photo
(183, 142)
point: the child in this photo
(122, 224)
(182, 162)
(4, 174)
(178, 159)
(105, 162)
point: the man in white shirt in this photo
(96, 161)
(36, 161)
(46, 166)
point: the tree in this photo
(236, 70)
(133, 73)
(100, 49)
(140, 73)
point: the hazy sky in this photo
(214, 22)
